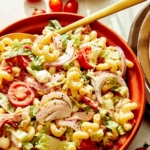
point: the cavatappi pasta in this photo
(61, 91)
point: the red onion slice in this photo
(59, 114)
(71, 124)
(54, 95)
(81, 116)
(67, 56)
(101, 79)
(17, 117)
(51, 107)
(123, 60)
(50, 111)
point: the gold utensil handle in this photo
(122, 4)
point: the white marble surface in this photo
(13, 10)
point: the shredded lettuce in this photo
(16, 52)
(21, 135)
(108, 104)
(86, 77)
(94, 54)
(76, 41)
(4, 102)
(121, 130)
(121, 90)
(33, 111)
(27, 146)
(81, 105)
(24, 42)
(42, 141)
(55, 24)
(115, 100)
(64, 145)
(103, 112)
(106, 140)
(65, 38)
(69, 133)
(104, 53)
(112, 124)
(44, 130)
(105, 116)
(47, 142)
(67, 65)
(97, 136)
(37, 62)
(112, 81)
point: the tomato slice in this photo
(21, 61)
(20, 94)
(84, 57)
(71, 6)
(87, 145)
(8, 69)
(56, 5)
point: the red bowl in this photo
(135, 80)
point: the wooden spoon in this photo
(122, 4)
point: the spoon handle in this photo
(122, 4)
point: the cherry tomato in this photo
(71, 6)
(20, 94)
(145, 146)
(38, 11)
(84, 57)
(56, 5)
(87, 145)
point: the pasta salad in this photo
(63, 92)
